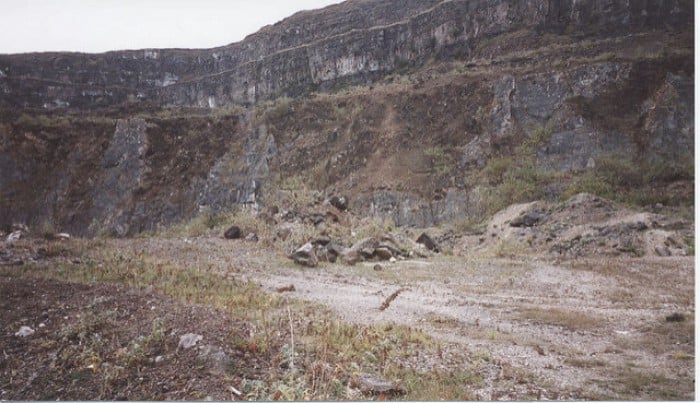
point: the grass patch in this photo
(585, 362)
(632, 181)
(569, 319)
(318, 362)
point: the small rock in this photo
(392, 260)
(24, 331)
(20, 227)
(159, 359)
(426, 240)
(252, 237)
(63, 235)
(367, 253)
(189, 340)
(214, 359)
(350, 257)
(305, 255)
(369, 383)
(675, 317)
(662, 251)
(378, 267)
(341, 203)
(15, 236)
(234, 232)
(283, 233)
(321, 240)
(383, 253)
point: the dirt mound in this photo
(107, 342)
(583, 225)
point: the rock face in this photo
(394, 104)
(355, 42)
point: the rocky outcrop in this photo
(353, 43)
(396, 108)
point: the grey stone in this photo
(305, 255)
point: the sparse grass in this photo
(569, 319)
(327, 353)
(634, 384)
(585, 362)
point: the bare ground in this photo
(586, 328)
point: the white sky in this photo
(103, 25)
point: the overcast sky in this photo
(103, 25)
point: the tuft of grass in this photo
(569, 319)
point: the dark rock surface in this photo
(393, 106)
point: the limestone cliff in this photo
(408, 107)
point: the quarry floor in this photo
(586, 328)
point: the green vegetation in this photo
(631, 181)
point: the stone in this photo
(675, 317)
(333, 251)
(305, 255)
(369, 383)
(339, 202)
(662, 251)
(350, 257)
(234, 232)
(15, 236)
(283, 232)
(378, 267)
(214, 359)
(527, 219)
(24, 331)
(383, 253)
(322, 240)
(189, 340)
(367, 253)
(428, 242)
(252, 237)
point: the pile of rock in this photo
(583, 225)
(384, 248)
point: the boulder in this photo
(305, 255)
(234, 232)
(428, 242)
